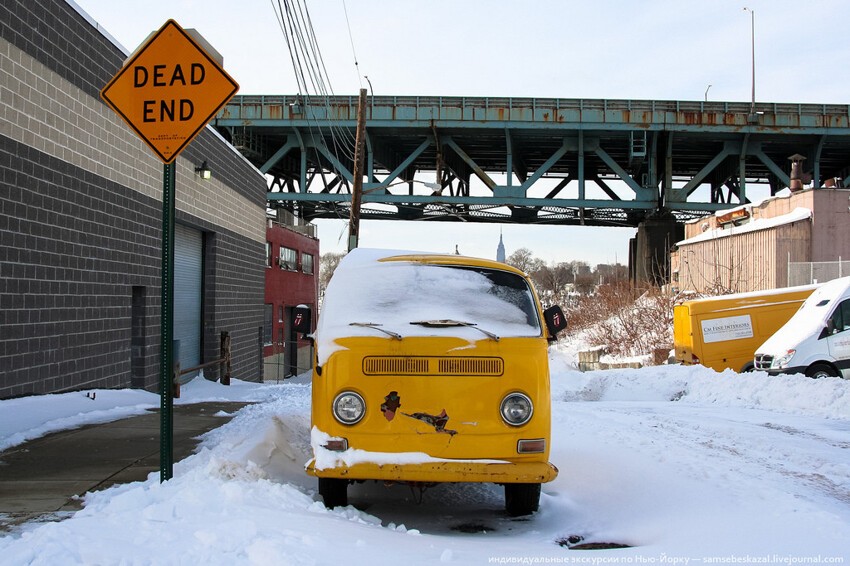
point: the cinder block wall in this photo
(81, 220)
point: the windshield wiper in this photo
(377, 327)
(445, 323)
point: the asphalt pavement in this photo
(42, 480)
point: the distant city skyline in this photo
(552, 244)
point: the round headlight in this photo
(349, 407)
(516, 409)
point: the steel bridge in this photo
(533, 160)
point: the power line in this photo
(311, 75)
(353, 51)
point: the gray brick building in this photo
(81, 223)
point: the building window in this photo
(280, 313)
(267, 325)
(268, 254)
(288, 259)
(307, 263)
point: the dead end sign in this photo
(168, 90)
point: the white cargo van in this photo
(816, 340)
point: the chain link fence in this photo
(808, 272)
(287, 359)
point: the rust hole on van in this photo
(390, 405)
(576, 542)
(437, 421)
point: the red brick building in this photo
(292, 279)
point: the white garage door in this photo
(188, 280)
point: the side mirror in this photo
(302, 319)
(555, 320)
(827, 330)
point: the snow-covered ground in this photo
(682, 464)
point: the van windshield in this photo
(487, 297)
(395, 294)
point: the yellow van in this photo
(432, 368)
(724, 332)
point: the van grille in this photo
(469, 366)
(763, 361)
(401, 365)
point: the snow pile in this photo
(796, 394)
(27, 418)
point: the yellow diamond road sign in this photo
(169, 90)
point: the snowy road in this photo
(683, 465)
(691, 479)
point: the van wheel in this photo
(522, 498)
(334, 492)
(818, 371)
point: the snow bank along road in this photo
(678, 465)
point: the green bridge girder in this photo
(572, 161)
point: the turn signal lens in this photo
(535, 446)
(516, 409)
(336, 444)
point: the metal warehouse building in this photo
(81, 224)
(778, 242)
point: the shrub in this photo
(626, 322)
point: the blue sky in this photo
(650, 49)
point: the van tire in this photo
(334, 492)
(817, 371)
(522, 498)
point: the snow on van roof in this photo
(384, 291)
(748, 299)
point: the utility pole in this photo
(359, 158)
(753, 57)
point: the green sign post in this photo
(166, 363)
(167, 92)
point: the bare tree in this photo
(524, 260)
(327, 266)
(626, 326)
(553, 282)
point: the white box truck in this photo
(816, 340)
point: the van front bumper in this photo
(465, 471)
(787, 371)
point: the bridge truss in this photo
(533, 160)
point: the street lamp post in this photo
(753, 52)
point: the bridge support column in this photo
(649, 250)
